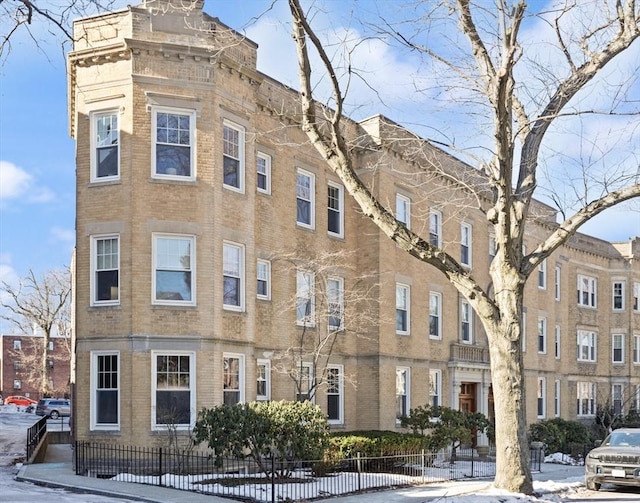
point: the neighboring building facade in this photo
(21, 353)
(194, 188)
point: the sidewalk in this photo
(57, 471)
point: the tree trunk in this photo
(507, 373)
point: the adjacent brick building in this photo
(20, 353)
(196, 187)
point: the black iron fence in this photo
(275, 480)
(35, 435)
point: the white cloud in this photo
(14, 182)
(18, 184)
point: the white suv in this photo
(615, 461)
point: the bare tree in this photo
(520, 112)
(39, 304)
(333, 309)
(34, 17)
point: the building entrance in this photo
(467, 403)
(467, 399)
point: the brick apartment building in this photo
(20, 352)
(195, 187)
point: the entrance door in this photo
(467, 403)
(467, 400)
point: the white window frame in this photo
(542, 275)
(435, 387)
(541, 392)
(308, 199)
(403, 307)
(335, 389)
(587, 346)
(617, 398)
(263, 377)
(435, 228)
(95, 271)
(234, 156)
(17, 384)
(192, 143)
(558, 282)
(557, 343)
(636, 349)
(403, 210)
(466, 319)
(542, 335)
(305, 294)
(113, 140)
(17, 345)
(263, 273)
(234, 271)
(263, 169)
(435, 311)
(192, 390)
(618, 290)
(556, 398)
(332, 202)
(95, 381)
(240, 390)
(617, 348)
(191, 269)
(586, 395)
(335, 303)
(635, 400)
(587, 285)
(306, 380)
(636, 297)
(403, 389)
(466, 243)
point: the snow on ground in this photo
(14, 423)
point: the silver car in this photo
(615, 461)
(53, 407)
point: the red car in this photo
(19, 400)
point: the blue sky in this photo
(37, 164)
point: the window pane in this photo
(172, 285)
(231, 169)
(173, 144)
(173, 407)
(107, 145)
(333, 205)
(106, 275)
(231, 291)
(107, 406)
(107, 158)
(173, 160)
(304, 195)
(107, 285)
(304, 212)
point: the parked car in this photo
(23, 401)
(53, 407)
(615, 461)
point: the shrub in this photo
(376, 443)
(286, 431)
(446, 426)
(559, 435)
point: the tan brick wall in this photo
(179, 68)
